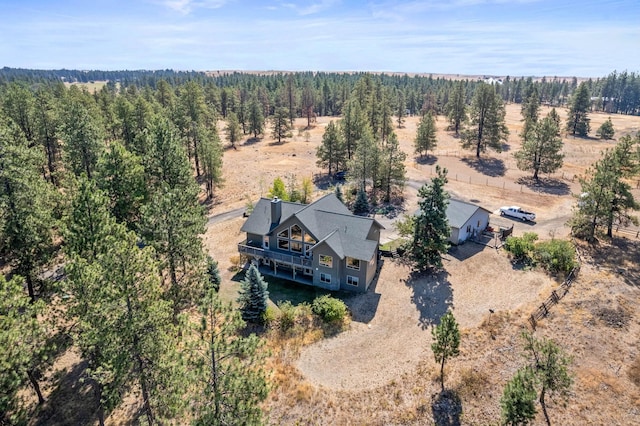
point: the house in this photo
(465, 220)
(321, 244)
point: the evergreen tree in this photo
(124, 326)
(431, 231)
(27, 200)
(456, 107)
(306, 190)
(401, 108)
(550, 366)
(530, 111)
(606, 197)
(23, 348)
(577, 120)
(426, 135)
(281, 125)
(392, 166)
(353, 126)
(361, 205)
(256, 118)
(331, 153)
(46, 122)
(232, 130)
(193, 119)
(606, 130)
(518, 399)
(213, 274)
(446, 342)
(82, 137)
(122, 177)
(211, 160)
(487, 114)
(253, 295)
(229, 378)
(365, 162)
(541, 149)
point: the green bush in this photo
(329, 308)
(555, 255)
(269, 315)
(521, 248)
(288, 314)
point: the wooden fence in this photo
(555, 297)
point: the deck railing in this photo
(272, 255)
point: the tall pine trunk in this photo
(35, 385)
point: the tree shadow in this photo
(251, 141)
(446, 408)
(72, 402)
(545, 185)
(492, 167)
(363, 306)
(428, 160)
(620, 255)
(432, 295)
(505, 147)
(465, 251)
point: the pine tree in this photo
(232, 130)
(431, 231)
(125, 330)
(541, 149)
(281, 126)
(23, 348)
(606, 197)
(211, 160)
(456, 107)
(256, 118)
(361, 205)
(488, 129)
(27, 200)
(550, 365)
(122, 177)
(331, 153)
(229, 378)
(530, 111)
(364, 164)
(518, 399)
(353, 126)
(213, 274)
(446, 342)
(606, 130)
(82, 136)
(401, 108)
(426, 135)
(577, 120)
(253, 295)
(393, 170)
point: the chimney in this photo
(276, 210)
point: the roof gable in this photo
(459, 212)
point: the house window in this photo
(353, 263)
(283, 244)
(296, 246)
(325, 278)
(351, 280)
(326, 261)
(309, 239)
(296, 233)
(468, 228)
(265, 242)
(284, 233)
(307, 250)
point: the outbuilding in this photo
(466, 220)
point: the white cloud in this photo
(186, 6)
(313, 8)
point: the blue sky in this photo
(588, 38)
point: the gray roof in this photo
(459, 212)
(327, 219)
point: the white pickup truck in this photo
(517, 212)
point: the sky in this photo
(588, 38)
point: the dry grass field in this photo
(380, 371)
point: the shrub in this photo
(555, 255)
(288, 314)
(269, 315)
(329, 308)
(521, 247)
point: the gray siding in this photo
(334, 271)
(475, 224)
(361, 274)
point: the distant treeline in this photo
(616, 93)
